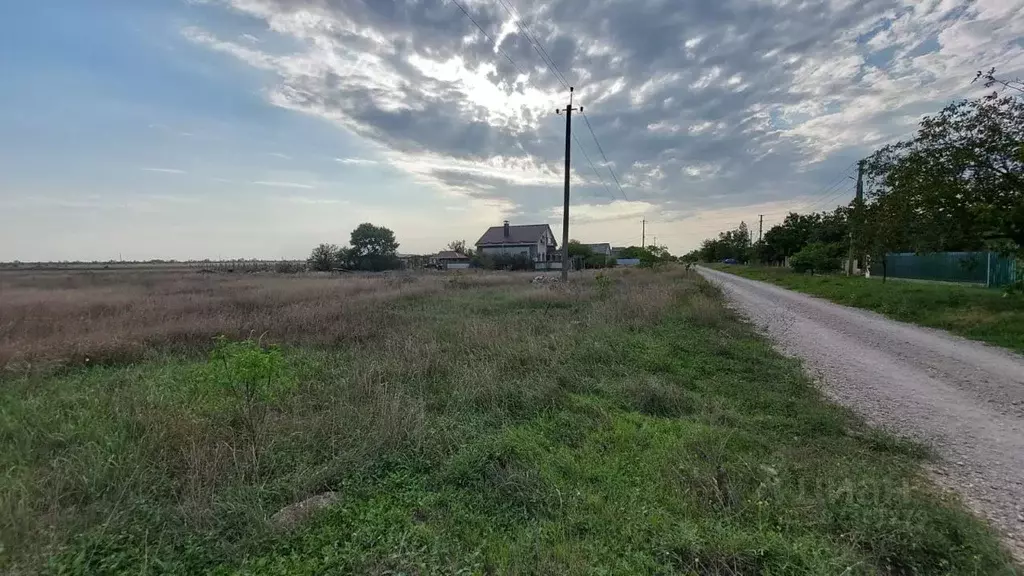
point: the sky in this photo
(194, 129)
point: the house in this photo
(450, 260)
(602, 249)
(535, 241)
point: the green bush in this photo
(815, 257)
(510, 262)
(249, 376)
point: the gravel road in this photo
(963, 398)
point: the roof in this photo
(527, 234)
(601, 247)
(451, 255)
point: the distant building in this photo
(450, 260)
(603, 249)
(533, 240)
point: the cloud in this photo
(719, 105)
(279, 155)
(284, 184)
(163, 170)
(615, 210)
(356, 161)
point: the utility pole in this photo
(855, 214)
(565, 210)
(760, 226)
(643, 233)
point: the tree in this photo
(576, 248)
(734, 244)
(460, 247)
(373, 248)
(961, 178)
(323, 258)
(648, 256)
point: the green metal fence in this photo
(985, 268)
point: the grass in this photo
(970, 311)
(481, 425)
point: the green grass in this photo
(497, 430)
(972, 312)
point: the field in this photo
(970, 311)
(476, 423)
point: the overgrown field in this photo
(971, 311)
(625, 423)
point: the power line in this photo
(520, 70)
(828, 189)
(550, 63)
(601, 150)
(491, 39)
(587, 157)
(532, 39)
(832, 197)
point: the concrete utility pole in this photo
(760, 226)
(565, 211)
(855, 214)
(643, 233)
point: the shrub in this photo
(815, 257)
(250, 374)
(510, 262)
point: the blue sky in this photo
(258, 128)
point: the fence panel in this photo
(985, 268)
(1004, 271)
(945, 266)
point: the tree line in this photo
(374, 248)
(956, 185)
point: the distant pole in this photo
(565, 210)
(760, 226)
(643, 233)
(855, 216)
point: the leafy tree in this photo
(732, 244)
(373, 248)
(961, 177)
(460, 247)
(576, 248)
(815, 257)
(323, 258)
(648, 256)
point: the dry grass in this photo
(61, 318)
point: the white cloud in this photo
(356, 161)
(164, 170)
(276, 184)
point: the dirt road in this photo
(963, 398)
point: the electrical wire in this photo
(520, 70)
(550, 63)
